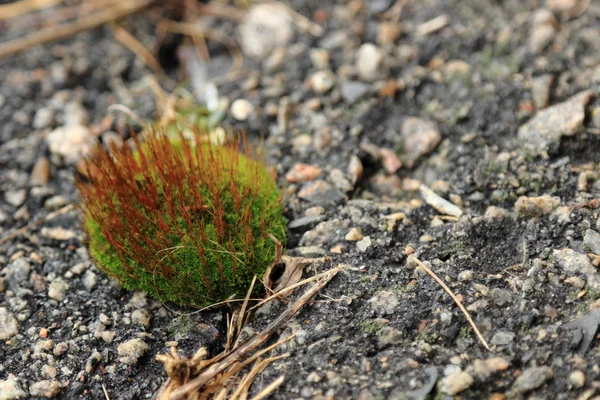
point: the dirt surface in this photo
(492, 105)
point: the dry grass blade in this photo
(11, 10)
(456, 300)
(33, 224)
(232, 362)
(63, 31)
(269, 389)
(136, 47)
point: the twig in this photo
(11, 10)
(243, 351)
(33, 224)
(456, 300)
(105, 392)
(53, 33)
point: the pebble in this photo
(540, 37)
(363, 244)
(75, 114)
(500, 297)
(419, 137)
(10, 389)
(540, 90)
(60, 348)
(58, 233)
(45, 388)
(322, 81)
(303, 173)
(483, 369)
(71, 142)
(89, 280)
(130, 351)
(320, 193)
(369, 60)
(390, 161)
(549, 125)
(573, 262)
(141, 317)
(493, 212)
(241, 109)
(48, 372)
(389, 336)
(319, 58)
(55, 202)
(355, 169)
(388, 32)
(503, 338)
(577, 379)
(324, 233)
(384, 302)
(106, 336)
(440, 204)
(536, 206)
(465, 276)
(456, 383)
(8, 324)
(352, 91)
(592, 241)
(43, 118)
(340, 181)
(40, 174)
(58, 289)
(308, 220)
(354, 234)
(265, 27)
(532, 378)
(15, 198)
(17, 272)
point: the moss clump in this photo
(186, 223)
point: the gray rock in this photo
(384, 302)
(132, 350)
(305, 221)
(89, 280)
(503, 338)
(585, 329)
(389, 335)
(10, 389)
(352, 90)
(532, 378)
(17, 272)
(363, 244)
(325, 233)
(58, 289)
(550, 124)
(501, 297)
(320, 193)
(8, 324)
(592, 241)
(419, 137)
(573, 262)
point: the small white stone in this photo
(355, 234)
(8, 324)
(322, 81)
(10, 389)
(369, 60)
(241, 109)
(364, 244)
(132, 350)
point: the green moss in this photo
(187, 224)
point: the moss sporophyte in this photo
(186, 221)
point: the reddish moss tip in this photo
(186, 223)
